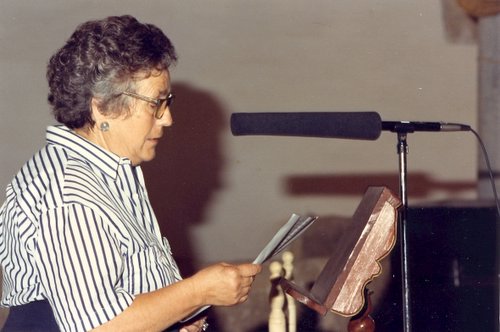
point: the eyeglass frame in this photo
(159, 111)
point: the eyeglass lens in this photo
(162, 106)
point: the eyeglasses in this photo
(160, 104)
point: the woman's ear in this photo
(101, 120)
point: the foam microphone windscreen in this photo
(348, 125)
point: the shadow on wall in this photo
(419, 185)
(186, 170)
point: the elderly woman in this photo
(79, 241)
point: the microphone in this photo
(412, 126)
(348, 125)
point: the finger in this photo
(244, 290)
(247, 282)
(190, 328)
(249, 270)
(193, 328)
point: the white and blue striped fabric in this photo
(78, 230)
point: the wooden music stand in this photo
(355, 260)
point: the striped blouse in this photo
(78, 230)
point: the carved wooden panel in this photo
(355, 259)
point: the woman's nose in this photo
(166, 120)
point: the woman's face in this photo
(136, 133)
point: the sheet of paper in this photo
(295, 226)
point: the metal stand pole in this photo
(403, 151)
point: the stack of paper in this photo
(295, 226)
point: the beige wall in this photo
(220, 197)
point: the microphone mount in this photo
(413, 126)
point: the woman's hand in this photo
(196, 326)
(220, 284)
(225, 284)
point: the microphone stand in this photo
(402, 148)
(403, 129)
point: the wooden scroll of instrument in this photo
(355, 261)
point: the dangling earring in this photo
(104, 126)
